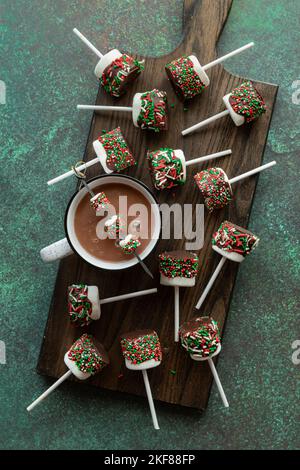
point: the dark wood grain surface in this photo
(190, 386)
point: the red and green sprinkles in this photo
(215, 188)
(153, 112)
(173, 265)
(118, 153)
(100, 202)
(115, 227)
(246, 101)
(119, 73)
(79, 306)
(200, 337)
(130, 246)
(184, 76)
(165, 168)
(231, 238)
(86, 356)
(141, 348)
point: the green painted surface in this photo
(47, 72)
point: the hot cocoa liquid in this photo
(86, 222)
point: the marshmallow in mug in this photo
(86, 357)
(116, 71)
(99, 202)
(115, 227)
(178, 268)
(141, 349)
(129, 244)
(113, 151)
(233, 242)
(83, 304)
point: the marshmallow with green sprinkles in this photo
(149, 110)
(231, 242)
(142, 350)
(178, 269)
(244, 104)
(189, 77)
(215, 186)
(167, 167)
(86, 357)
(200, 338)
(115, 71)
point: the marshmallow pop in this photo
(116, 71)
(84, 303)
(178, 269)
(149, 110)
(215, 186)
(244, 104)
(168, 167)
(231, 242)
(115, 227)
(200, 338)
(85, 358)
(113, 154)
(189, 78)
(99, 202)
(141, 350)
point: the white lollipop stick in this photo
(252, 172)
(205, 122)
(208, 157)
(105, 108)
(145, 268)
(218, 382)
(176, 314)
(88, 43)
(227, 56)
(50, 390)
(150, 399)
(211, 282)
(71, 172)
(128, 296)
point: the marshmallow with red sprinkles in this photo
(244, 104)
(149, 110)
(86, 357)
(99, 202)
(214, 187)
(83, 304)
(187, 76)
(113, 151)
(117, 71)
(141, 349)
(167, 168)
(200, 337)
(115, 227)
(233, 242)
(178, 268)
(129, 244)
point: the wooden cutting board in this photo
(190, 384)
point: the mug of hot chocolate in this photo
(121, 209)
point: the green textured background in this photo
(47, 71)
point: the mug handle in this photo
(55, 251)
